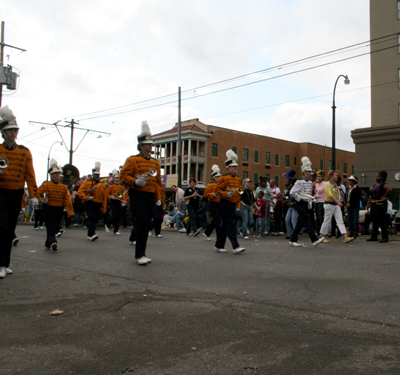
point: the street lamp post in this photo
(346, 82)
(48, 158)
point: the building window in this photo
(352, 170)
(234, 149)
(255, 156)
(399, 78)
(398, 42)
(277, 181)
(344, 167)
(321, 164)
(245, 175)
(295, 161)
(268, 177)
(214, 150)
(277, 160)
(330, 165)
(255, 178)
(338, 166)
(287, 161)
(267, 158)
(245, 154)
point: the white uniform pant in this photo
(332, 210)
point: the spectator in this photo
(259, 212)
(353, 206)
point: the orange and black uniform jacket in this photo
(224, 184)
(137, 165)
(57, 195)
(19, 170)
(209, 193)
(114, 189)
(99, 194)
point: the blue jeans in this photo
(291, 220)
(260, 221)
(247, 219)
(353, 215)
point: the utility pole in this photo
(7, 77)
(72, 124)
(71, 152)
(2, 58)
(179, 140)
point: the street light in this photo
(346, 82)
(48, 158)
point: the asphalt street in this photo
(273, 309)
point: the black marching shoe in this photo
(372, 239)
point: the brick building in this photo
(205, 145)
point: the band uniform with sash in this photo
(213, 202)
(115, 193)
(16, 169)
(227, 189)
(94, 195)
(54, 196)
(144, 190)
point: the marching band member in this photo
(213, 203)
(94, 195)
(144, 190)
(227, 189)
(301, 187)
(115, 192)
(16, 168)
(158, 215)
(54, 196)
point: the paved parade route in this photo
(333, 309)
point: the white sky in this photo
(86, 56)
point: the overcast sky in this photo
(89, 56)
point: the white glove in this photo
(158, 203)
(230, 194)
(112, 197)
(45, 200)
(23, 209)
(141, 181)
(91, 197)
(238, 209)
(34, 202)
(123, 204)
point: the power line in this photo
(242, 85)
(295, 62)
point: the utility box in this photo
(12, 81)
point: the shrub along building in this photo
(205, 145)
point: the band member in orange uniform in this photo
(54, 197)
(115, 192)
(227, 189)
(16, 168)
(213, 203)
(94, 195)
(144, 190)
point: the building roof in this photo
(192, 128)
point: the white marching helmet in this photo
(96, 169)
(215, 171)
(145, 136)
(7, 119)
(232, 159)
(53, 167)
(306, 164)
(115, 173)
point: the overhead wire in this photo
(292, 63)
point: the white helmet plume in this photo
(215, 171)
(306, 164)
(232, 159)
